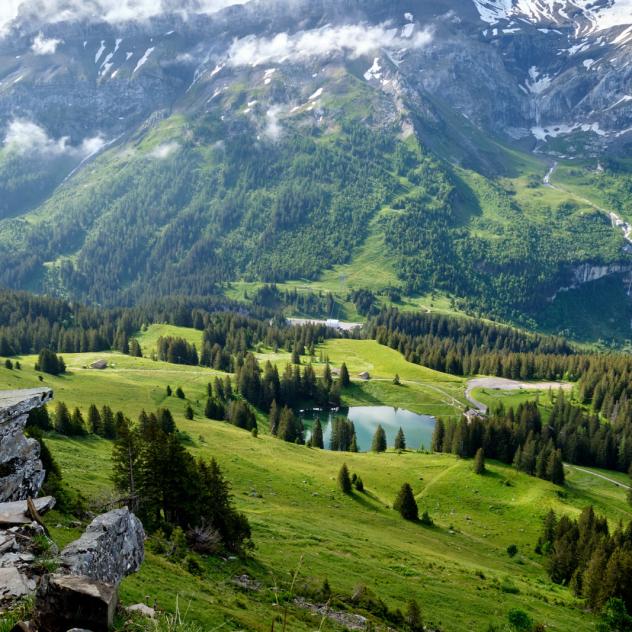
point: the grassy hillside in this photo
(458, 570)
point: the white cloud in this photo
(52, 11)
(43, 46)
(273, 129)
(163, 152)
(26, 137)
(354, 40)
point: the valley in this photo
(458, 569)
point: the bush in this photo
(519, 620)
(512, 550)
(426, 520)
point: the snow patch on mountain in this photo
(585, 15)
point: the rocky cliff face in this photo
(532, 71)
(21, 471)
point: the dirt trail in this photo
(605, 478)
(617, 221)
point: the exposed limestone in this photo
(65, 602)
(13, 584)
(111, 548)
(21, 471)
(16, 513)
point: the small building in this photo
(365, 375)
(99, 365)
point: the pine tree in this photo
(134, 349)
(274, 417)
(555, 468)
(630, 490)
(296, 358)
(125, 462)
(396, 380)
(180, 393)
(108, 426)
(414, 620)
(94, 420)
(379, 440)
(345, 380)
(353, 446)
(63, 421)
(405, 503)
(188, 412)
(400, 440)
(344, 480)
(359, 485)
(317, 436)
(479, 462)
(438, 436)
(78, 424)
(169, 391)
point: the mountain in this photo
(273, 140)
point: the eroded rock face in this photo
(111, 548)
(67, 602)
(21, 471)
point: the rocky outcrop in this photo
(21, 471)
(67, 602)
(111, 548)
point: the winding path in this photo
(503, 384)
(605, 478)
(616, 220)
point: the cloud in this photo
(51, 11)
(355, 40)
(273, 129)
(163, 152)
(26, 137)
(43, 46)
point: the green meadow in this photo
(458, 570)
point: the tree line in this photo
(584, 554)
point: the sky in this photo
(109, 10)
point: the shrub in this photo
(512, 550)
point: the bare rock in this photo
(15, 513)
(21, 471)
(142, 609)
(66, 602)
(111, 548)
(13, 584)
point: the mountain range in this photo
(472, 148)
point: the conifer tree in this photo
(94, 420)
(63, 421)
(400, 440)
(274, 418)
(479, 462)
(379, 440)
(169, 391)
(317, 435)
(405, 503)
(78, 424)
(414, 620)
(125, 462)
(630, 490)
(108, 425)
(438, 436)
(188, 412)
(345, 380)
(359, 485)
(180, 393)
(555, 468)
(344, 480)
(353, 446)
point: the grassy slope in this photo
(290, 497)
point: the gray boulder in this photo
(66, 602)
(13, 585)
(111, 548)
(21, 471)
(16, 513)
